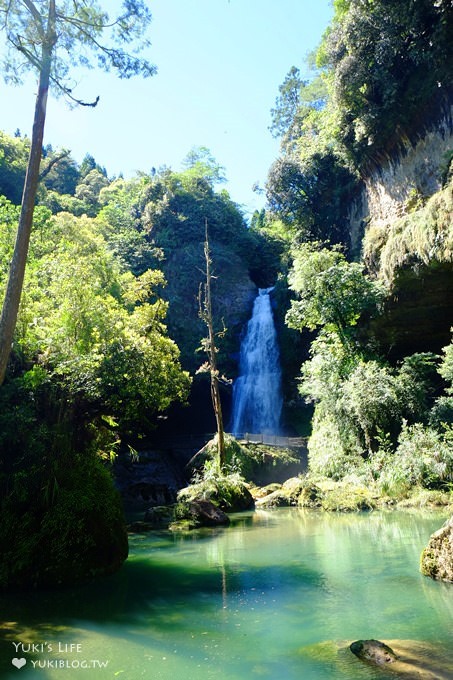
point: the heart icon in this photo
(19, 662)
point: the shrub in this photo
(442, 413)
(61, 525)
(423, 458)
(332, 452)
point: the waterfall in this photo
(257, 398)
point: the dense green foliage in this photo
(388, 70)
(92, 328)
(92, 367)
(383, 76)
(391, 423)
(333, 293)
(13, 162)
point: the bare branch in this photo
(20, 47)
(64, 154)
(67, 92)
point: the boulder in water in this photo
(418, 659)
(373, 651)
(193, 511)
(437, 558)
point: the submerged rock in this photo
(413, 659)
(437, 558)
(159, 517)
(373, 651)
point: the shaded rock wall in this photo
(233, 293)
(418, 315)
(390, 191)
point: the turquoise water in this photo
(278, 595)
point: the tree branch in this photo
(64, 154)
(67, 92)
(36, 16)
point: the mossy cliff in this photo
(406, 217)
(404, 179)
(413, 255)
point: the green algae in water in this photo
(279, 594)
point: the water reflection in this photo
(267, 597)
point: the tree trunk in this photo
(215, 392)
(14, 287)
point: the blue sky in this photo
(220, 63)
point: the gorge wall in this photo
(411, 175)
(401, 225)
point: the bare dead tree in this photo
(209, 346)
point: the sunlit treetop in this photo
(77, 33)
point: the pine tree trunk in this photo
(14, 287)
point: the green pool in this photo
(277, 595)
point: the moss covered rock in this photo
(437, 557)
(257, 463)
(275, 499)
(345, 497)
(310, 496)
(198, 513)
(281, 495)
(229, 493)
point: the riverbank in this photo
(347, 495)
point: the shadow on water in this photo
(143, 586)
(152, 587)
(228, 588)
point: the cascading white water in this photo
(257, 397)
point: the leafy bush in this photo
(442, 413)
(370, 400)
(333, 451)
(423, 458)
(62, 519)
(67, 532)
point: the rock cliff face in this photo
(413, 174)
(233, 293)
(406, 240)
(418, 315)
